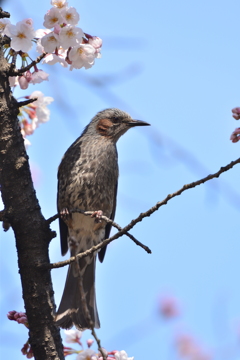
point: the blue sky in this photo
(175, 65)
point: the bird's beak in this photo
(132, 123)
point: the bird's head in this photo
(113, 123)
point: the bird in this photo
(88, 181)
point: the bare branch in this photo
(105, 218)
(4, 14)
(26, 102)
(16, 72)
(143, 215)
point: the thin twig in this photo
(85, 309)
(16, 72)
(105, 218)
(4, 14)
(26, 102)
(145, 214)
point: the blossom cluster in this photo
(34, 114)
(64, 41)
(74, 336)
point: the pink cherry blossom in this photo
(90, 342)
(235, 137)
(236, 113)
(168, 307)
(38, 76)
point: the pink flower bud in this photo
(23, 83)
(90, 342)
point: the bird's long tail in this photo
(71, 311)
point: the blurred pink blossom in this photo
(235, 137)
(168, 307)
(20, 317)
(236, 113)
(189, 349)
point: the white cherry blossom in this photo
(42, 112)
(82, 55)
(21, 34)
(3, 24)
(122, 355)
(52, 59)
(73, 336)
(38, 76)
(60, 4)
(52, 17)
(70, 36)
(50, 42)
(88, 354)
(70, 16)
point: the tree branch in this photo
(17, 72)
(32, 233)
(105, 218)
(141, 216)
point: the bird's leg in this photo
(66, 216)
(97, 214)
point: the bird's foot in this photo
(65, 214)
(97, 214)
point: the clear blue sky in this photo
(174, 64)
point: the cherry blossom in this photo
(52, 59)
(3, 24)
(13, 81)
(70, 16)
(122, 355)
(60, 4)
(73, 336)
(235, 137)
(70, 36)
(236, 113)
(82, 56)
(168, 307)
(52, 17)
(42, 112)
(22, 34)
(38, 76)
(50, 42)
(86, 355)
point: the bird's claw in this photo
(65, 214)
(97, 214)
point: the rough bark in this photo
(32, 233)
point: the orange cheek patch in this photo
(103, 126)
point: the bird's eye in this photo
(115, 120)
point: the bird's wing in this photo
(62, 226)
(102, 252)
